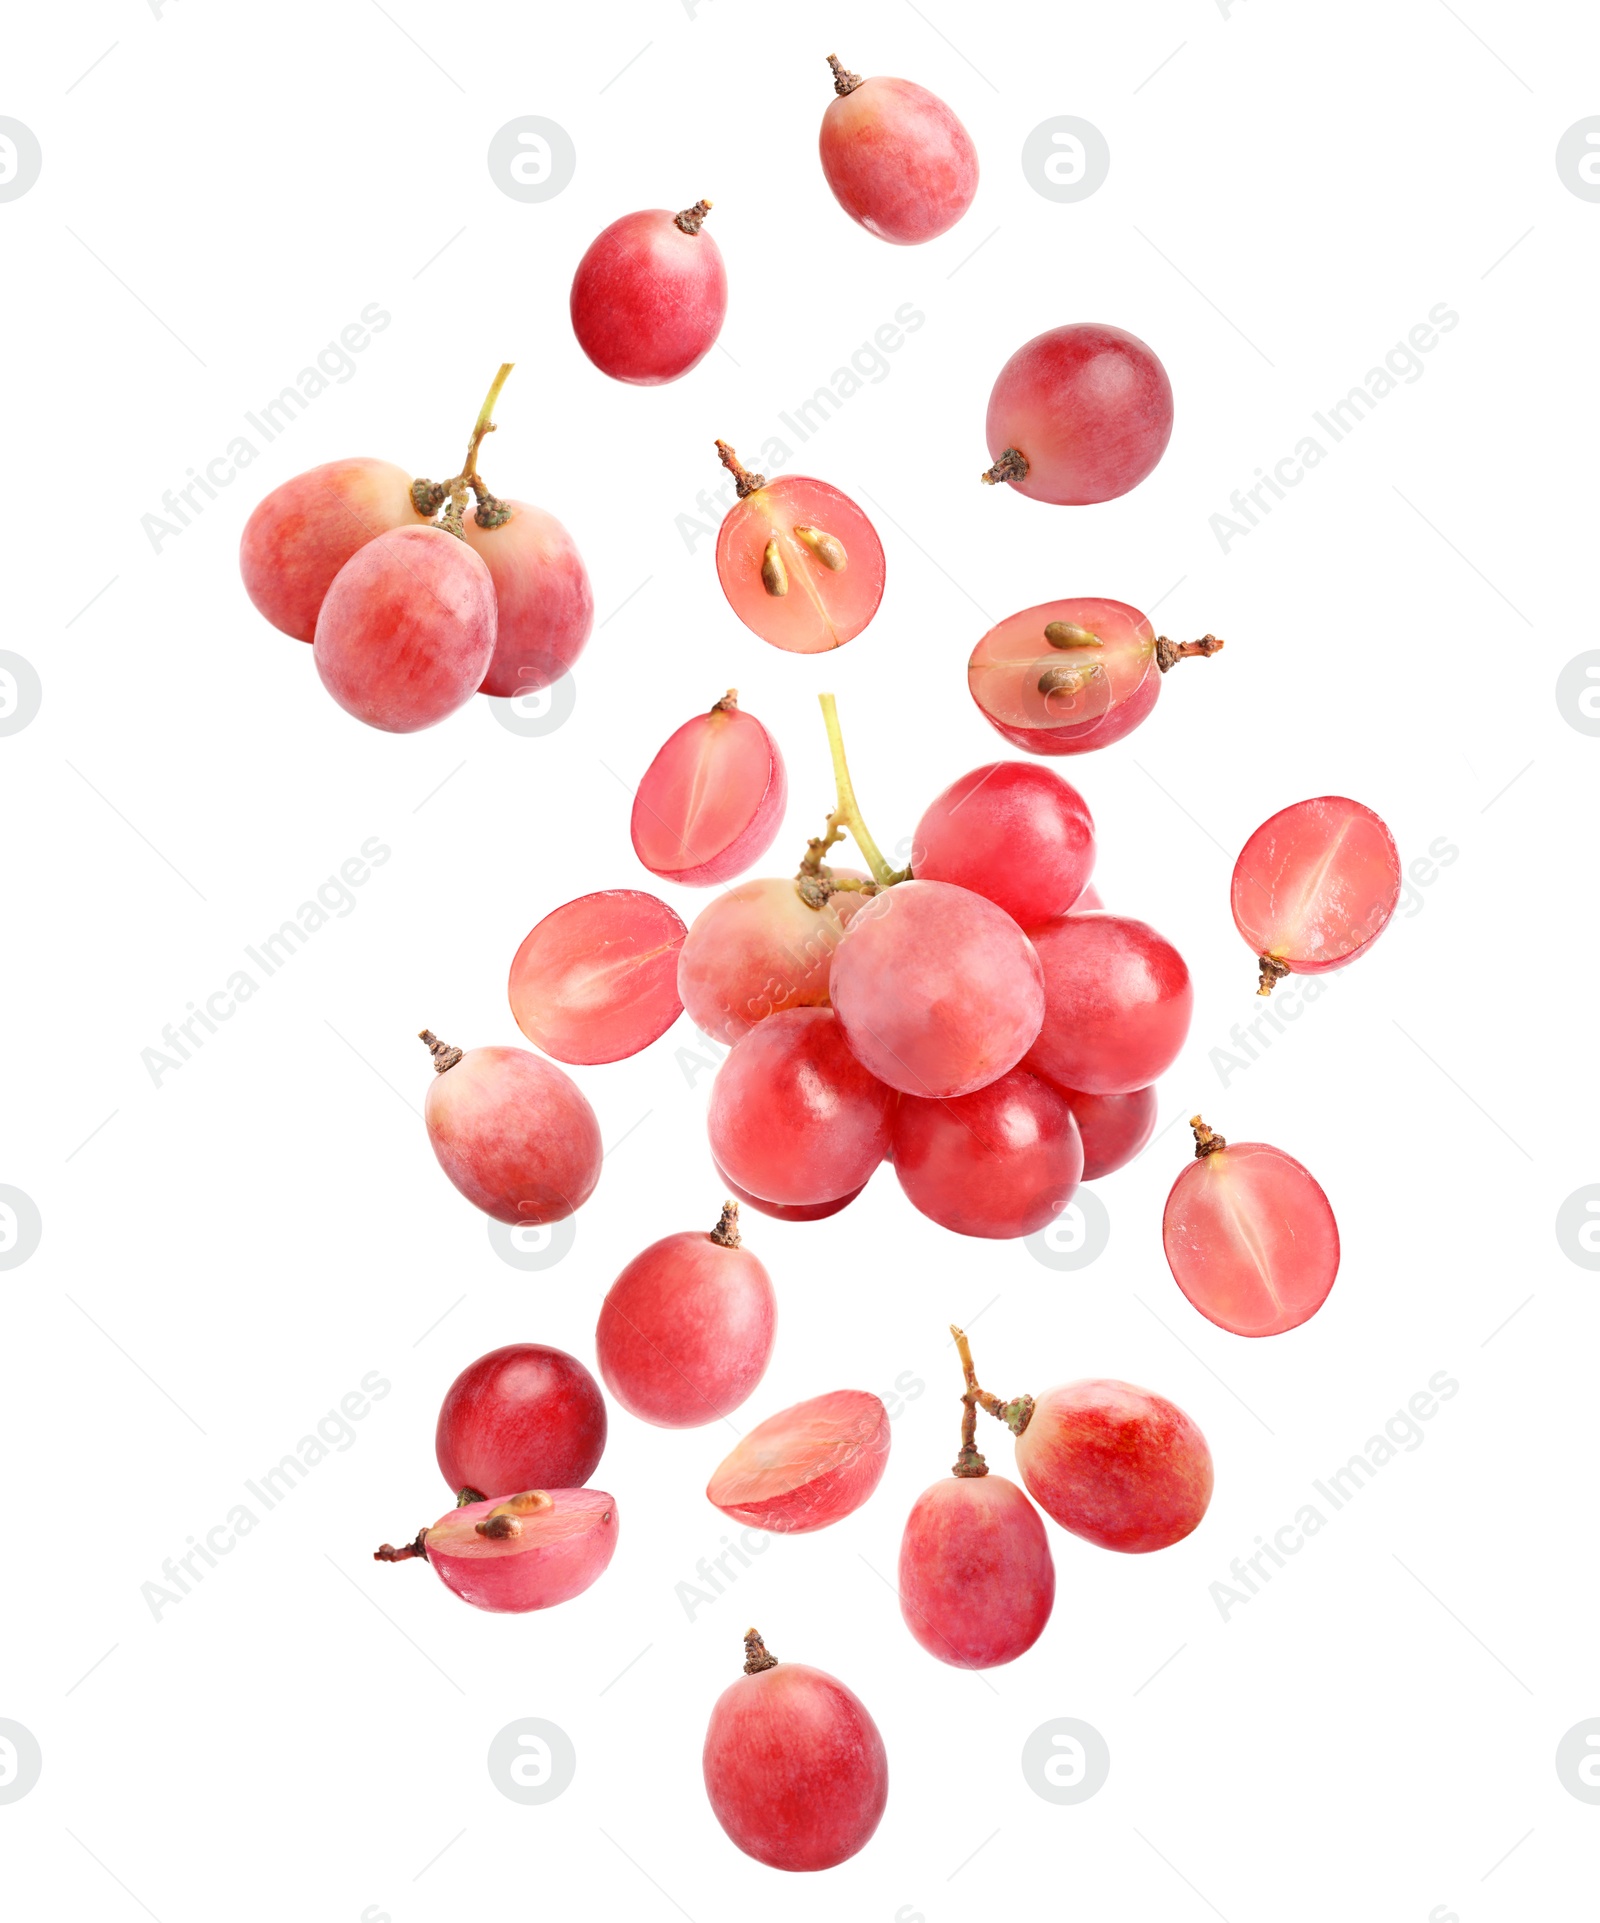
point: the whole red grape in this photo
(896, 157)
(512, 1132)
(650, 296)
(407, 630)
(756, 949)
(298, 537)
(977, 1580)
(1117, 1465)
(686, 1330)
(786, 1211)
(542, 593)
(1118, 1000)
(937, 990)
(1001, 1162)
(1114, 1127)
(1079, 414)
(523, 1417)
(794, 1117)
(794, 1766)
(1015, 833)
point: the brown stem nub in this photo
(444, 1056)
(1272, 972)
(692, 218)
(747, 482)
(1206, 1140)
(1169, 653)
(466, 1496)
(726, 1233)
(1015, 1414)
(388, 1553)
(1011, 466)
(756, 1658)
(727, 704)
(427, 497)
(843, 80)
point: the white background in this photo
(225, 1256)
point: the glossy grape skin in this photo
(522, 1417)
(755, 950)
(542, 594)
(822, 607)
(298, 537)
(1002, 1162)
(1090, 898)
(407, 629)
(686, 1330)
(597, 979)
(898, 160)
(1315, 886)
(1119, 1466)
(1090, 409)
(805, 1467)
(794, 1116)
(1118, 1001)
(1251, 1239)
(1015, 833)
(515, 1135)
(795, 1769)
(556, 1555)
(977, 1580)
(648, 300)
(938, 991)
(786, 1212)
(1117, 686)
(1114, 1128)
(711, 801)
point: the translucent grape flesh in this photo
(597, 979)
(1251, 1239)
(806, 1467)
(1316, 884)
(820, 607)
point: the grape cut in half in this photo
(800, 563)
(795, 1768)
(896, 157)
(528, 1550)
(1079, 414)
(1250, 1236)
(711, 801)
(1314, 887)
(807, 1466)
(597, 979)
(1069, 676)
